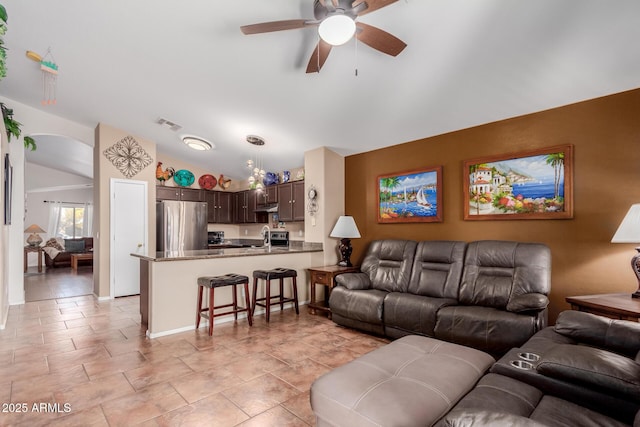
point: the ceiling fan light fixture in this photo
(337, 29)
(197, 143)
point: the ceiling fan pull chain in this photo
(356, 56)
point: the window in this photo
(71, 222)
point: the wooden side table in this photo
(40, 253)
(325, 276)
(614, 306)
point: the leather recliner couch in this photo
(582, 372)
(490, 295)
(586, 372)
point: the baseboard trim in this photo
(223, 319)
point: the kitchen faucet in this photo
(266, 235)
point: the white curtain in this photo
(54, 219)
(87, 224)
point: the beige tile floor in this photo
(60, 282)
(93, 360)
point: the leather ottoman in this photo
(413, 381)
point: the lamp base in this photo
(345, 252)
(34, 239)
(635, 265)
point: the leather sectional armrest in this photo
(354, 281)
(593, 367)
(620, 336)
(527, 302)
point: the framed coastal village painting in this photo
(528, 185)
(412, 196)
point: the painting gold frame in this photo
(536, 184)
(411, 196)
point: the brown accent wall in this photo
(606, 135)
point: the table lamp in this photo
(629, 232)
(346, 229)
(34, 239)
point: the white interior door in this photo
(129, 234)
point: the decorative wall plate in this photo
(184, 178)
(207, 181)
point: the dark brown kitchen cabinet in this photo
(268, 196)
(245, 203)
(219, 207)
(167, 193)
(291, 201)
(179, 193)
(191, 195)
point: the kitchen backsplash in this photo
(250, 231)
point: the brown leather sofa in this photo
(586, 373)
(63, 259)
(490, 295)
(582, 372)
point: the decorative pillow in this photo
(592, 366)
(74, 245)
(53, 243)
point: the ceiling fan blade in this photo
(379, 39)
(372, 5)
(268, 27)
(318, 57)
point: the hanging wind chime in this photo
(49, 70)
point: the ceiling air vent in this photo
(172, 126)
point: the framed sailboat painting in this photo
(411, 196)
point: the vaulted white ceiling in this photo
(468, 62)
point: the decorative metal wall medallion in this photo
(128, 156)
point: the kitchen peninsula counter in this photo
(294, 247)
(168, 281)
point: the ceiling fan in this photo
(336, 22)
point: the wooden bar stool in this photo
(268, 275)
(213, 282)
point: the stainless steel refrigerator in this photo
(181, 226)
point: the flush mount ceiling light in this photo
(197, 143)
(337, 29)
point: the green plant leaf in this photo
(3, 13)
(30, 143)
(13, 127)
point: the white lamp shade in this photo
(337, 29)
(629, 229)
(34, 228)
(345, 228)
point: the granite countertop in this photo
(294, 247)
